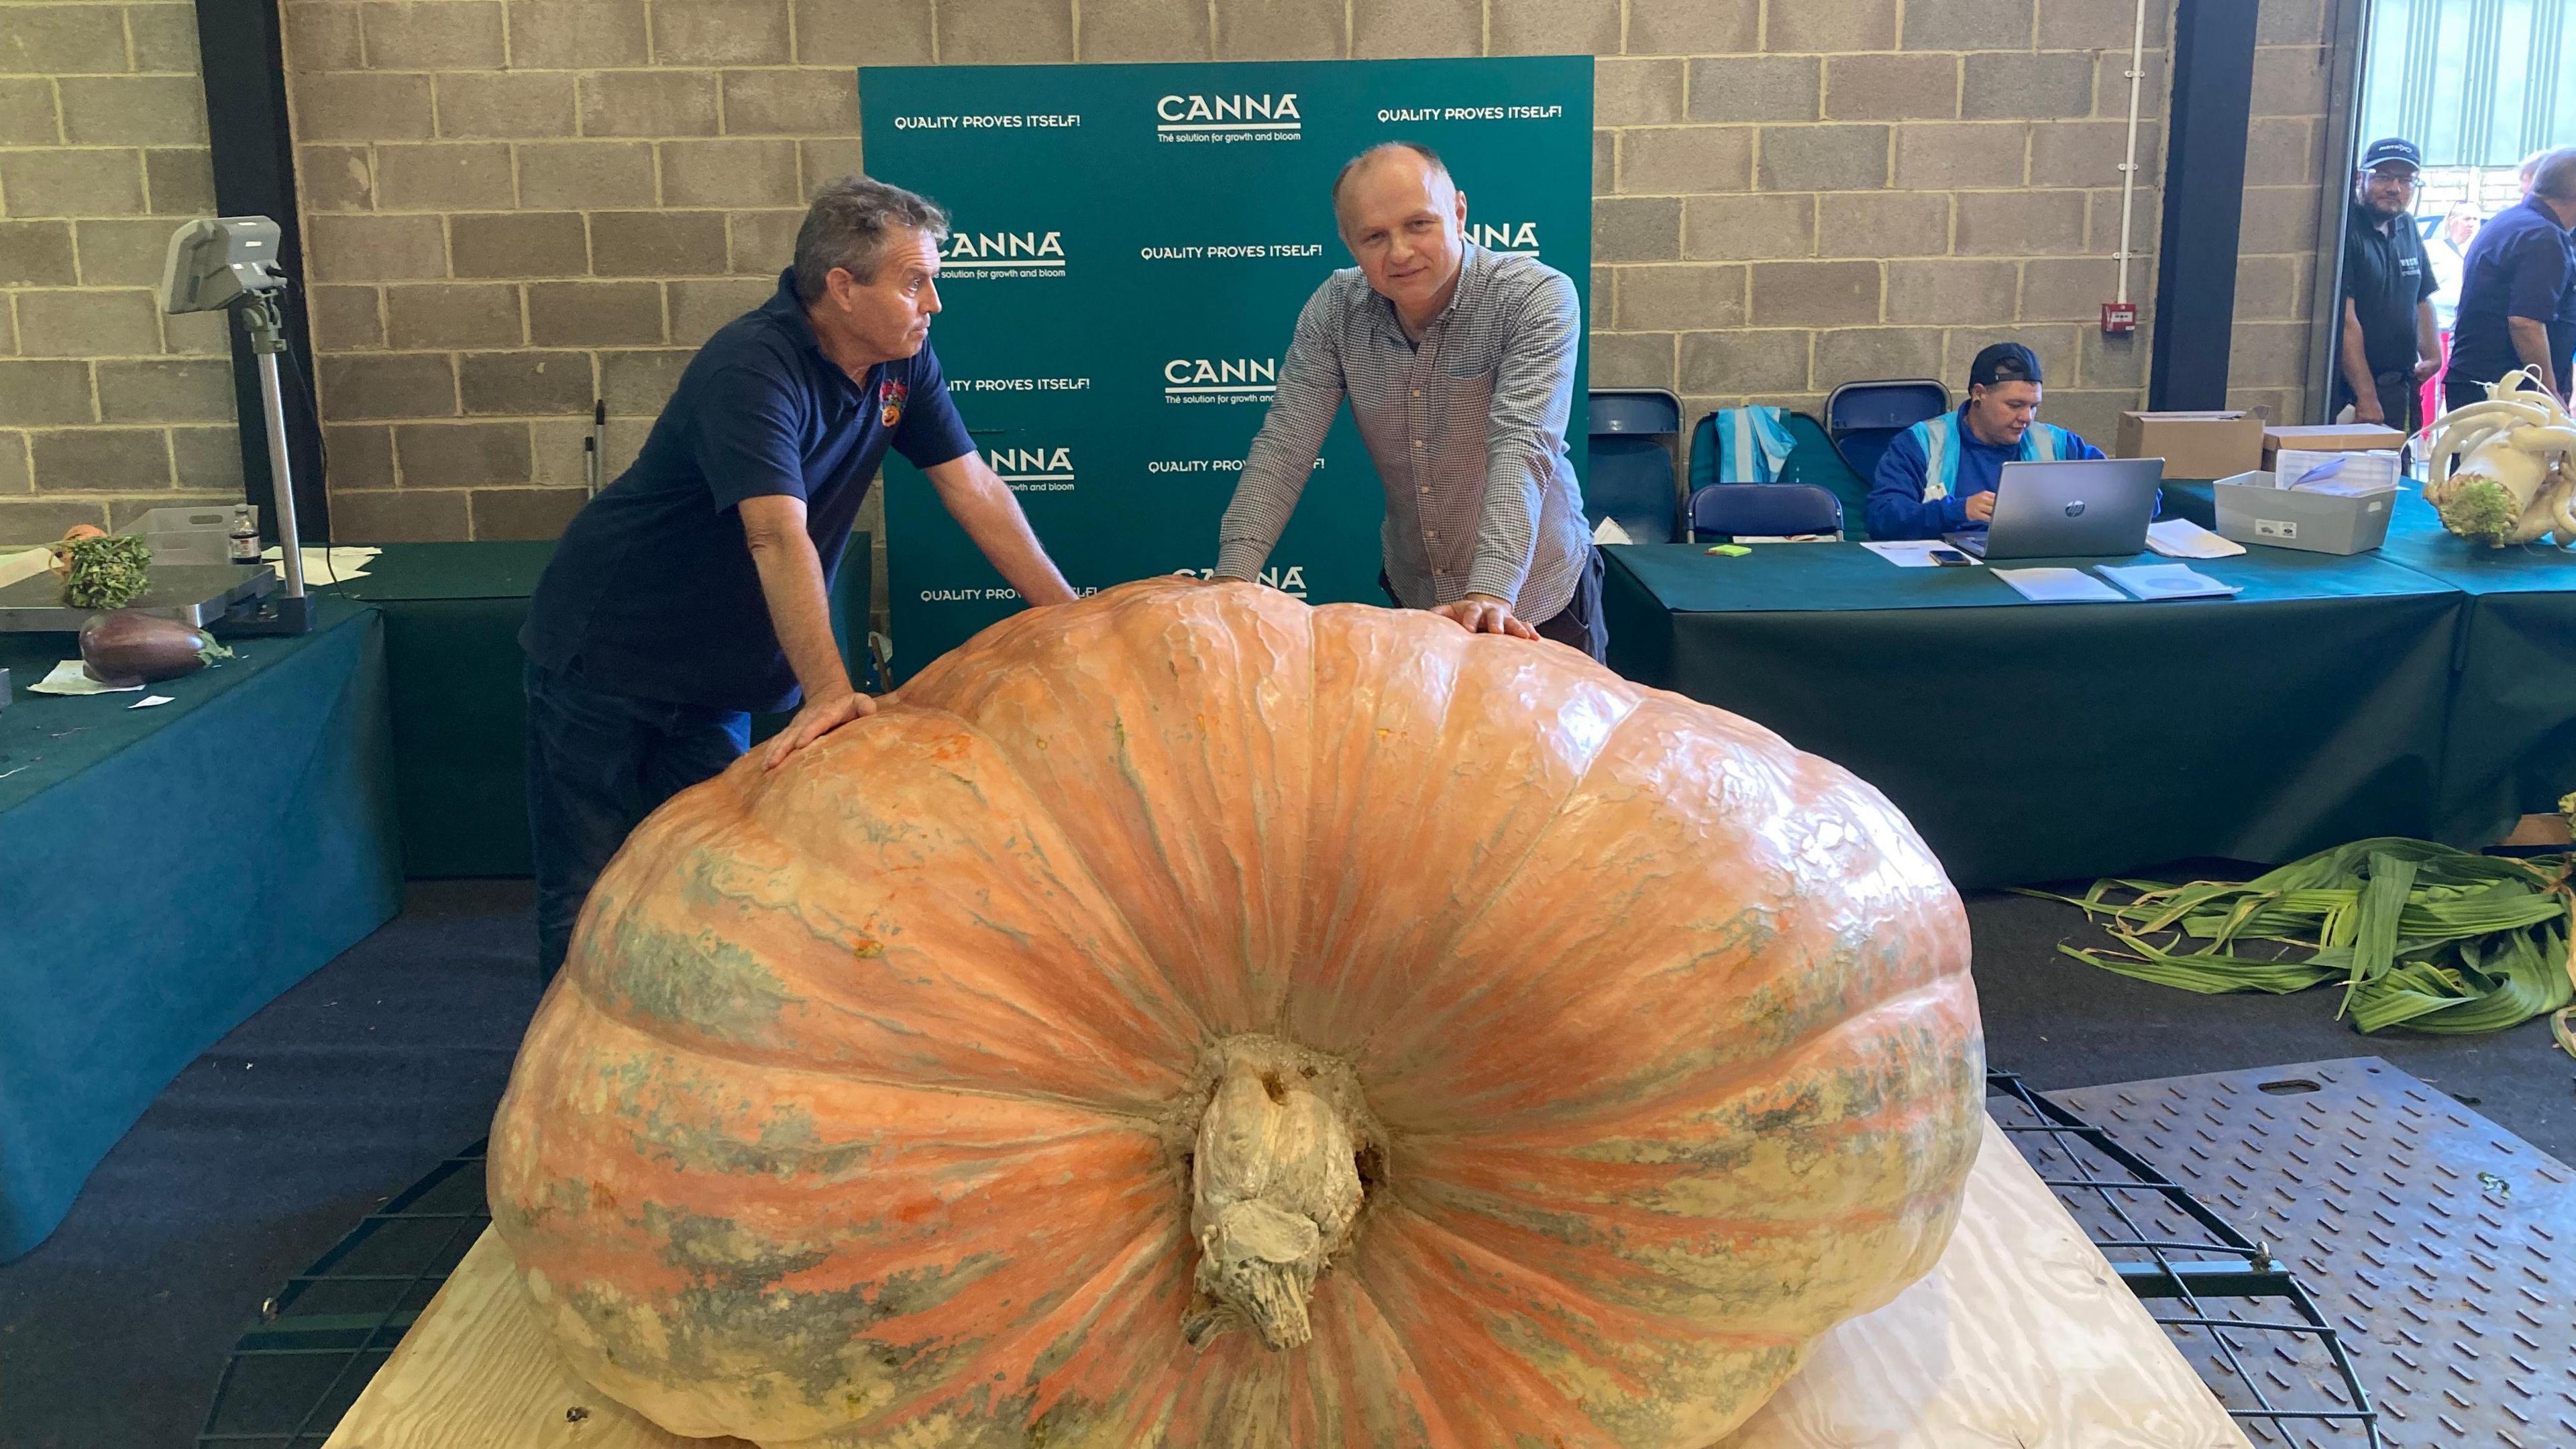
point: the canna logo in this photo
(984, 254)
(1229, 118)
(1033, 469)
(1220, 379)
(1519, 238)
(1289, 580)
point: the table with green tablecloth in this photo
(452, 616)
(2034, 742)
(166, 871)
(2511, 749)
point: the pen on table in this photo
(590, 464)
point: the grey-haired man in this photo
(696, 588)
(1459, 366)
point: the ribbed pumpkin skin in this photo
(857, 1117)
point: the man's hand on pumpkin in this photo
(1485, 614)
(818, 718)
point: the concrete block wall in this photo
(513, 207)
(2286, 173)
(107, 408)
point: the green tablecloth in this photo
(452, 616)
(2034, 742)
(166, 872)
(2511, 750)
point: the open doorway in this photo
(2478, 89)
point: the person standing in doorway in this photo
(2516, 277)
(2562, 323)
(2389, 344)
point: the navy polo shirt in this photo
(652, 592)
(2517, 267)
(2385, 275)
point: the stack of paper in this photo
(2349, 475)
(2167, 581)
(2059, 586)
(2182, 538)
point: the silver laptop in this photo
(2087, 508)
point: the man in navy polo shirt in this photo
(2389, 345)
(2562, 324)
(2516, 275)
(696, 587)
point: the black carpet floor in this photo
(351, 1086)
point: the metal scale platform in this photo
(197, 595)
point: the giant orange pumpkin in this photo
(1188, 1018)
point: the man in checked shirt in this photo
(1459, 364)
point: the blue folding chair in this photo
(1864, 417)
(1632, 477)
(1722, 511)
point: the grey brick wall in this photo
(515, 206)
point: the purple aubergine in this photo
(126, 646)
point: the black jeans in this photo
(1579, 623)
(598, 763)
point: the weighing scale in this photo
(201, 596)
(222, 264)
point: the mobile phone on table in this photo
(1949, 558)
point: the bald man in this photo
(1459, 364)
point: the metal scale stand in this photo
(292, 611)
(229, 264)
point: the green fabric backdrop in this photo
(1132, 246)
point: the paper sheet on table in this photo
(2182, 538)
(149, 700)
(2059, 586)
(1911, 553)
(329, 566)
(2167, 581)
(69, 678)
(1611, 531)
(15, 565)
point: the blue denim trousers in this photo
(598, 763)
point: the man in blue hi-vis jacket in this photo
(1938, 476)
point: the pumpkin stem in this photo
(1275, 1192)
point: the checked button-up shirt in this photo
(1466, 427)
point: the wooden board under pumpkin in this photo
(2022, 1336)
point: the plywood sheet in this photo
(2022, 1337)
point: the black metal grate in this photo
(325, 1334)
(2240, 1318)
(2238, 1315)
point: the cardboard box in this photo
(2329, 438)
(2194, 445)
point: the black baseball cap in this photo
(2392, 148)
(2004, 362)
